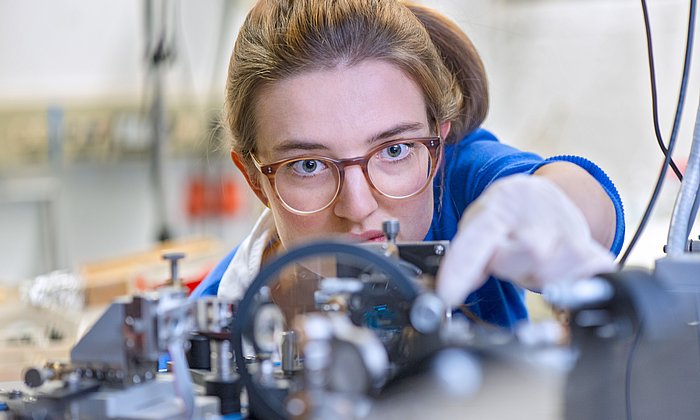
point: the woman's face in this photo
(343, 113)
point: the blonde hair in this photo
(282, 38)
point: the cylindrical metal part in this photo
(34, 377)
(199, 355)
(224, 358)
(391, 230)
(427, 313)
(290, 353)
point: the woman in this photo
(344, 114)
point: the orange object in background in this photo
(196, 198)
(231, 198)
(213, 198)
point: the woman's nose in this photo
(356, 199)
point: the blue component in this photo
(163, 362)
(381, 318)
(4, 407)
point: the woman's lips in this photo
(368, 236)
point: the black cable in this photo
(667, 160)
(654, 96)
(684, 76)
(676, 123)
(628, 369)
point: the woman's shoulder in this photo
(481, 147)
(210, 285)
(479, 134)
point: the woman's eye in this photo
(307, 166)
(396, 151)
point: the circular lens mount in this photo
(368, 265)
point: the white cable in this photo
(693, 213)
(678, 229)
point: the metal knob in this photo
(391, 230)
(427, 313)
(35, 378)
(174, 257)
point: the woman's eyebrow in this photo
(396, 131)
(291, 145)
(298, 145)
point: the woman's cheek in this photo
(294, 229)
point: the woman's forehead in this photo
(338, 106)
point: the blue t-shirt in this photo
(469, 167)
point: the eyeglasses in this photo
(396, 169)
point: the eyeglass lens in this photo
(397, 170)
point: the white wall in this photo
(566, 76)
(91, 50)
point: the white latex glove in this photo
(524, 229)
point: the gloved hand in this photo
(524, 229)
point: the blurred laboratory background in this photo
(110, 140)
